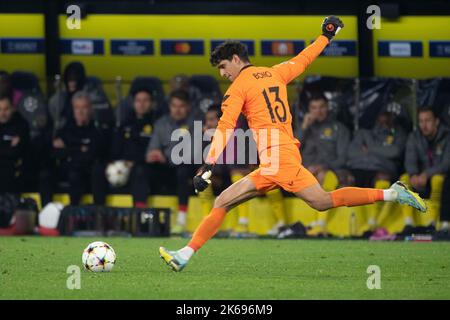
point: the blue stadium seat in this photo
(339, 92)
(33, 108)
(25, 81)
(103, 112)
(443, 100)
(206, 91)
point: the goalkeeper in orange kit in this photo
(260, 93)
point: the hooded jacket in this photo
(60, 105)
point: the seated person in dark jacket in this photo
(173, 173)
(131, 141)
(14, 138)
(376, 154)
(427, 155)
(324, 141)
(78, 151)
(427, 151)
(74, 80)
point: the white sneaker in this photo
(181, 218)
(276, 228)
(180, 224)
(177, 229)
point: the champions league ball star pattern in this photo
(99, 257)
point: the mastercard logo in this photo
(182, 48)
(282, 48)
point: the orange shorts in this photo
(285, 170)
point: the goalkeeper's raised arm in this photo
(291, 69)
(231, 58)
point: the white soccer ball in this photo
(117, 173)
(98, 257)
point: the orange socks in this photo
(351, 196)
(208, 228)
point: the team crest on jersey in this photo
(147, 129)
(127, 133)
(389, 140)
(327, 133)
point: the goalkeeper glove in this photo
(201, 179)
(331, 26)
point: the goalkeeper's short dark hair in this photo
(226, 50)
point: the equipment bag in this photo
(117, 221)
(154, 222)
(106, 221)
(81, 221)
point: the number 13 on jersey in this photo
(278, 103)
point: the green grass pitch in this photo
(35, 268)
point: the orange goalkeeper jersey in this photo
(260, 93)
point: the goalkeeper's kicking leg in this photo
(234, 195)
(321, 200)
(313, 194)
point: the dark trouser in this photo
(366, 178)
(138, 183)
(424, 192)
(445, 199)
(10, 179)
(221, 178)
(80, 180)
(184, 185)
(33, 164)
(165, 179)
